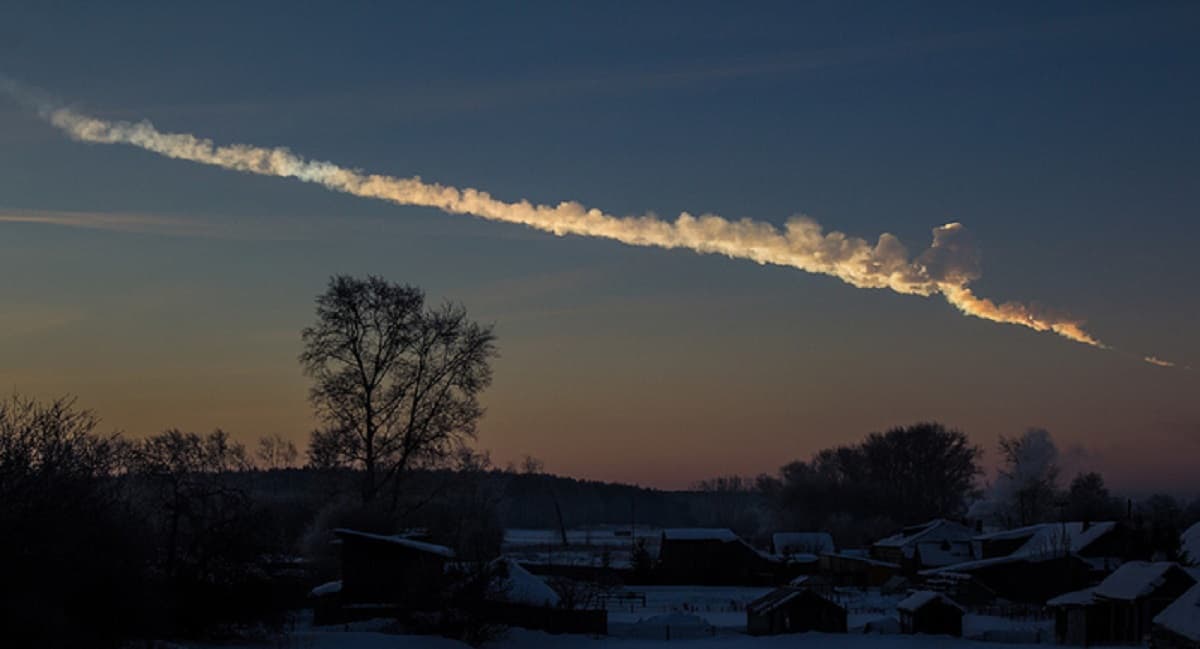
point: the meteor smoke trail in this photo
(947, 267)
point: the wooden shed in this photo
(930, 612)
(1178, 625)
(703, 556)
(396, 570)
(793, 609)
(1122, 608)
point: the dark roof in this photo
(781, 596)
(403, 541)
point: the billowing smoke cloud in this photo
(946, 268)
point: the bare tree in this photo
(396, 384)
(1027, 487)
(199, 509)
(275, 452)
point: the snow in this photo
(1053, 538)
(671, 626)
(329, 639)
(328, 588)
(883, 624)
(1134, 579)
(1189, 542)
(523, 639)
(421, 546)
(854, 556)
(773, 600)
(936, 530)
(524, 587)
(700, 534)
(618, 537)
(792, 543)
(1075, 598)
(1183, 616)
(964, 568)
(923, 597)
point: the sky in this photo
(164, 293)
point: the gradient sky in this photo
(1063, 135)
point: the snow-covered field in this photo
(521, 639)
(697, 616)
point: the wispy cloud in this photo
(141, 223)
(258, 229)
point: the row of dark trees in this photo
(107, 538)
(861, 492)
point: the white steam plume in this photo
(947, 267)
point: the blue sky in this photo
(1063, 136)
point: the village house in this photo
(794, 609)
(791, 544)
(382, 575)
(1104, 545)
(1120, 609)
(1178, 625)
(857, 570)
(706, 556)
(934, 544)
(520, 598)
(1018, 578)
(930, 613)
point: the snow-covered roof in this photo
(700, 534)
(328, 588)
(802, 542)
(1183, 616)
(777, 598)
(523, 587)
(610, 536)
(773, 600)
(1189, 542)
(922, 598)
(1050, 538)
(1074, 598)
(420, 546)
(1135, 579)
(936, 529)
(967, 566)
(855, 556)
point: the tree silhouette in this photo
(396, 384)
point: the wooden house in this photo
(858, 571)
(1178, 625)
(394, 570)
(1123, 607)
(701, 556)
(794, 609)
(930, 613)
(934, 544)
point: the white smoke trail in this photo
(945, 268)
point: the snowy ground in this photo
(521, 639)
(701, 618)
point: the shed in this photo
(706, 556)
(394, 570)
(803, 543)
(930, 612)
(1122, 608)
(793, 609)
(847, 569)
(1178, 625)
(1023, 578)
